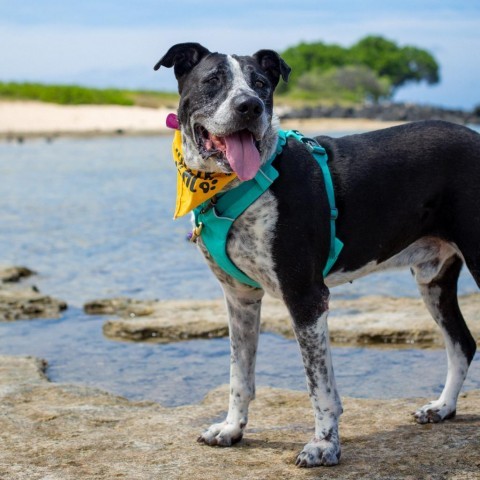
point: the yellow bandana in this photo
(194, 187)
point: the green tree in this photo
(352, 83)
(399, 64)
(306, 57)
(390, 64)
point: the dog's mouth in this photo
(238, 152)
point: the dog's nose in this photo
(248, 107)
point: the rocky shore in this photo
(68, 432)
(403, 112)
(19, 302)
(371, 320)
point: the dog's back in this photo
(426, 173)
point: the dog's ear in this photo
(183, 57)
(273, 65)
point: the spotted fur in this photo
(407, 197)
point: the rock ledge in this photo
(371, 320)
(71, 432)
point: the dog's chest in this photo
(249, 244)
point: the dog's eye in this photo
(213, 81)
(259, 84)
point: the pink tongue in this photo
(243, 156)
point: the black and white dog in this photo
(406, 196)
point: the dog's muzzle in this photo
(238, 152)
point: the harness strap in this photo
(321, 157)
(213, 219)
(216, 217)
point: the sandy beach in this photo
(36, 119)
(47, 119)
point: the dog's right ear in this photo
(183, 57)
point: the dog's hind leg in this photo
(244, 326)
(309, 313)
(440, 296)
(470, 249)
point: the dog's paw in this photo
(221, 434)
(434, 412)
(319, 452)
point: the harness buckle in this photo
(313, 145)
(196, 232)
(334, 213)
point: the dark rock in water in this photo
(124, 307)
(405, 112)
(14, 274)
(161, 321)
(24, 303)
(27, 303)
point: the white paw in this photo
(434, 412)
(222, 434)
(319, 452)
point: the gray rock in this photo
(27, 303)
(67, 432)
(367, 320)
(14, 274)
(161, 321)
(122, 306)
(24, 303)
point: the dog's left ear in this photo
(273, 65)
(183, 57)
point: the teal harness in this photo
(214, 219)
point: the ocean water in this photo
(94, 218)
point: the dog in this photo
(407, 196)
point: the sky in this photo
(116, 43)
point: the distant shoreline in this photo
(21, 120)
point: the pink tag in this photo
(172, 121)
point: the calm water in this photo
(93, 216)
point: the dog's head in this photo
(226, 107)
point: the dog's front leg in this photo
(309, 315)
(244, 325)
